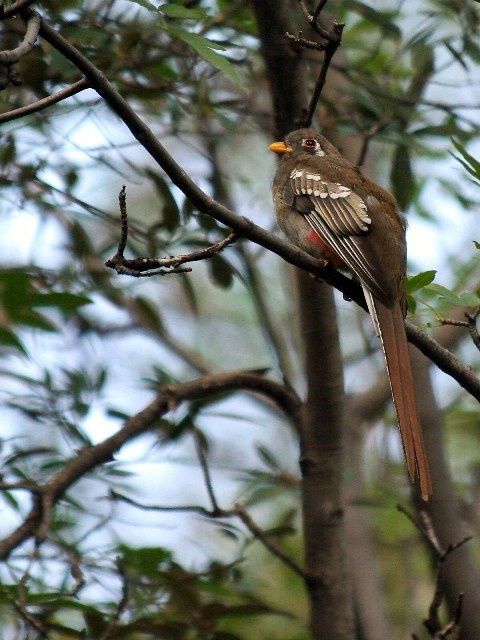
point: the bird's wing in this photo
(341, 218)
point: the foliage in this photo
(84, 350)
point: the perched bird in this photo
(325, 206)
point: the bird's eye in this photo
(310, 143)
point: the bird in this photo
(327, 207)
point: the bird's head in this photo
(304, 141)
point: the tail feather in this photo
(389, 325)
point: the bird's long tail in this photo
(390, 327)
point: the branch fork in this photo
(147, 267)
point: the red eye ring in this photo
(310, 143)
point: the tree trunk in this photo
(321, 440)
(459, 571)
(322, 464)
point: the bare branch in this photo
(432, 623)
(38, 521)
(8, 57)
(260, 535)
(333, 39)
(472, 327)
(444, 359)
(202, 458)
(238, 511)
(13, 9)
(147, 267)
(121, 606)
(42, 104)
(240, 224)
(122, 202)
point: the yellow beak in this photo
(280, 147)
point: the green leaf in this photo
(149, 313)
(8, 150)
(170, 210)
(471, 164)
(80, 241)
(178, 11)
(199, 43)
(145, 4)
(469, 299)
(65, 301)
(417, 282)
(423, 63)
(401, 176)
(267, 457)
(411, 304)
(220, 271)
(446, 294)
(383, 19)
(9, 339)
(205, 49)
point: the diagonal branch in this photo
(238, 511)
(444, 359)
(241, 225)
(42, 104)
(14, 9)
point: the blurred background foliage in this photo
(82, 348)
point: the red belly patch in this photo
(323, 250)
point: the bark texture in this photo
(321, 425)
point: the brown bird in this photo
(325, 206)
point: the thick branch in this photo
(14, 9)
(239, 224)
(444, 359)
(10, 56)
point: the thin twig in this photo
(238, 511)
(432, 623)
(39, 105)
(122, 604)
(367, 137)
(260, 535)
(148, 267)
(207, 478)
(333, 39)
(122, 201)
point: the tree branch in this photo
(39, 105)
(444, 359)
(38, 521)
(240, 224)
(333, 39)
(8, 57)
(147, 267)
(216, 512)
(14, 9)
